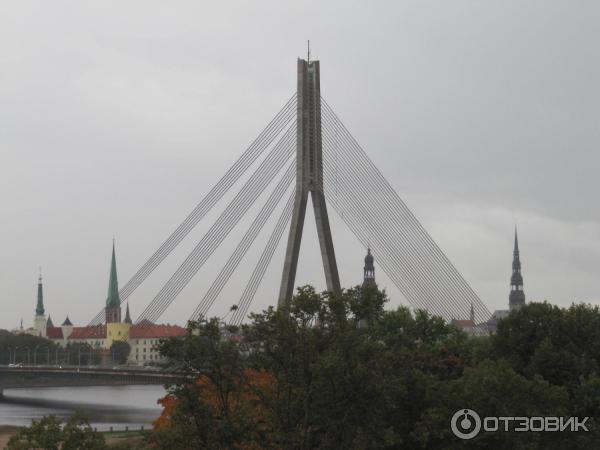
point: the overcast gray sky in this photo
(117, 117)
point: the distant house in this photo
(142, 337)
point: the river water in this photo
(105, 406)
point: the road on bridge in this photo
(47, 376)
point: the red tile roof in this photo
(54, 333)
(95, 332)
(237, 338)
(463, 323)
(150, 330)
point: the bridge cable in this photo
(245, 244)
(362, 169)
(203, 250)
(386, 260)
(377, 221)
(428, 242)
(263, 263)
(367, 190)
(360, 174)
(213, 237)
(250, 155)
(228, 219)
(384, 222)
(345, 205)
(221, 228)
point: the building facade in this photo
(142, 337)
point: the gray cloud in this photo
(116, 118)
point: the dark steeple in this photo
(369, 269)
(39, 310)
(127, 315)
(49, 323)
(112, 299)
(368, 284)
(517, 296)
(113, 302)
(67, 323)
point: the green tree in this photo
(345, 373)
(49, 434)
(20, 347)
(561, 345)
(336, 382)
(492, 388)
(120, 351)
(78, 353)
(217, 410)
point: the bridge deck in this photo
(27, 377)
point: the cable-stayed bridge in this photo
(306, 151)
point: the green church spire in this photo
(113, 284)
(39, 310)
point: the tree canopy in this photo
(341, 372)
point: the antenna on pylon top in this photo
(309, 50)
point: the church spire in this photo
(113, 302)
(517, 296)
(39, 310)
(112, 298)
(127, 315)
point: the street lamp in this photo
(47, 355)
(79, 353)
(28, 353)
(11, 351)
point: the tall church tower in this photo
(113, 302)
(39, 321)
(369, 269)
(368, 282)
(516, 299)
(115, 329)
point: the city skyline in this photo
(124, 151)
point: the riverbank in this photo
(112, 438)
(134, 438)
(6, 431)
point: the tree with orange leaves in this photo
(226, 406)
